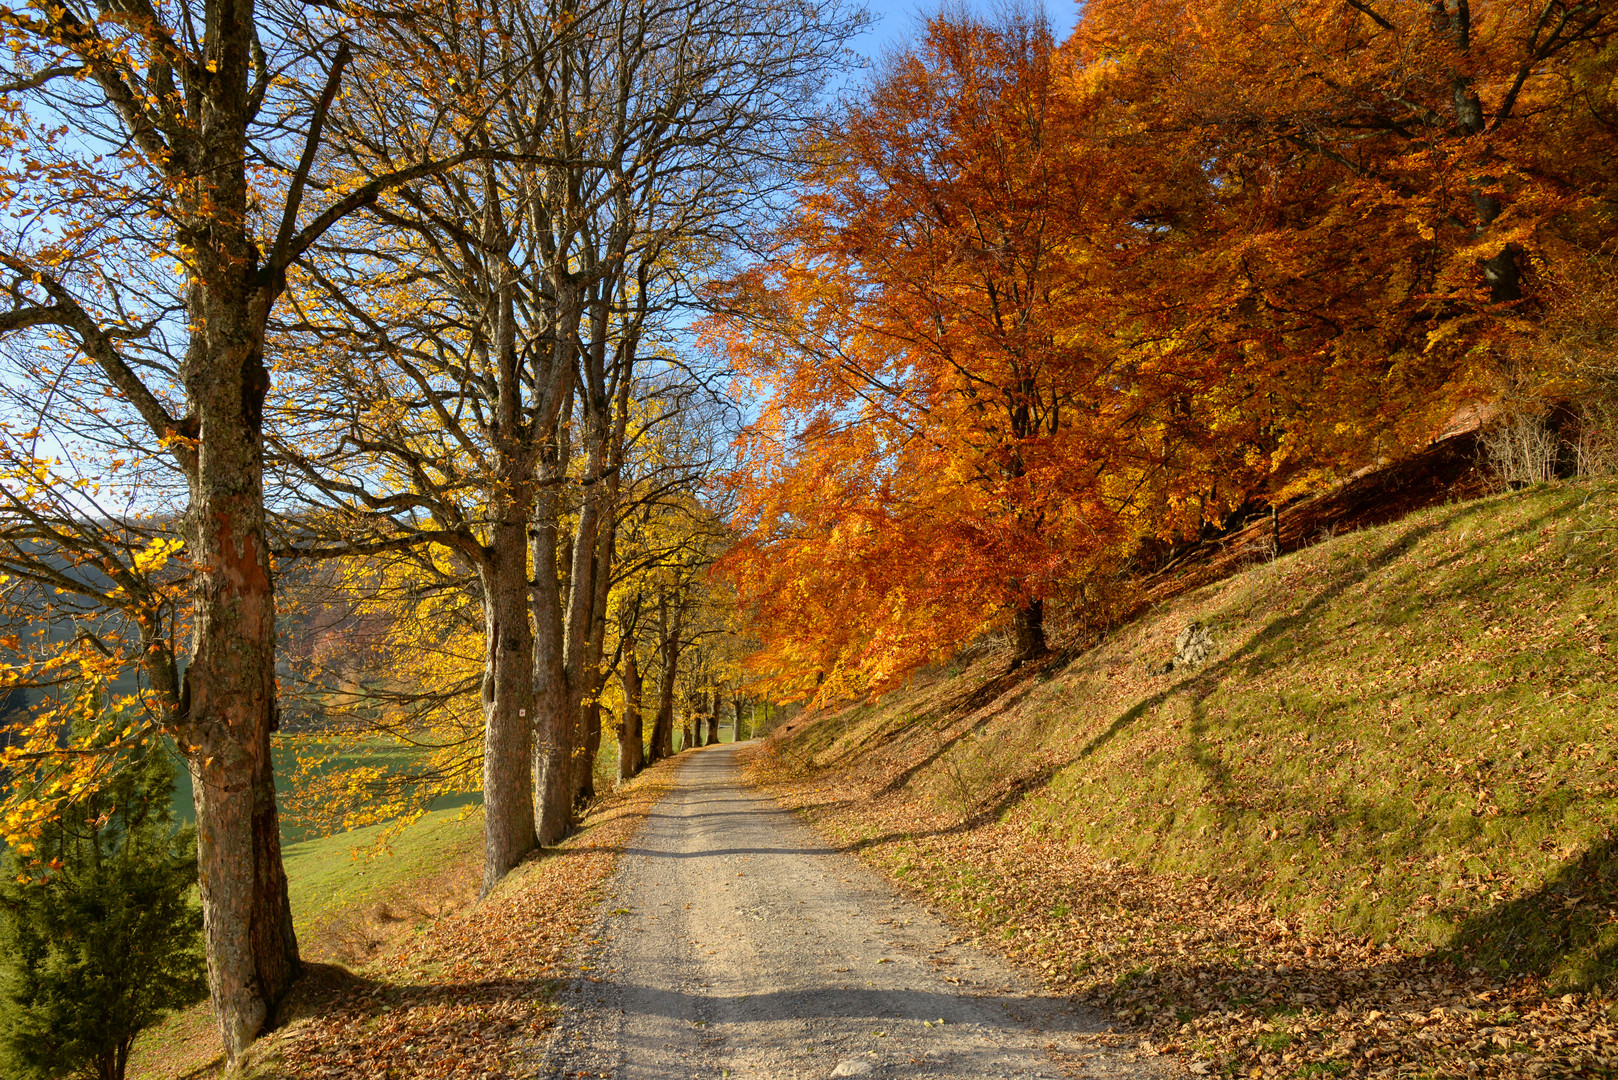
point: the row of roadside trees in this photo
(404, 284)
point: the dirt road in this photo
(734, 943)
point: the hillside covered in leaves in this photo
(1371, 833)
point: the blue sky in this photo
(896, 21)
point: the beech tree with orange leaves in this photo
(1043, 310)
(1391, 181)
(948, 424)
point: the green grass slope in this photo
(348, 870)
(1405, 732)
(350, 899)
(305, 818)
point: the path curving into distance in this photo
(733, 942)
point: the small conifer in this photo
(99, 934)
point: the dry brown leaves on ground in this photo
(1213, 979)
(469, 996)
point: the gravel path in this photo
(734, 943)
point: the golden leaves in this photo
(156, 554)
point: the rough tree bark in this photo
(591, 676)
(713, 720)
(668, 629)
(629, 731)
(508, 698)
(552, 748)
(1028, 631)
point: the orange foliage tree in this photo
(1041, 309)
(1392, 181)
(944, 420)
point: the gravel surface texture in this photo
(734, 943)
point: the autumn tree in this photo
(945, 410)
(434, 430)
(630, 734)
(1388, 183)
(156, 196)
(491, 420)
(1042, 310)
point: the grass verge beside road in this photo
(1372, 834)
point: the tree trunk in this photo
(629, 733)
(663, 729)
(508, 699)
(713, 720)
(590, 677)
(554, 719)
(1500, 270)
(736, 720)
(695, 710)
(227, 696)
(1028, 628)
(592, 745)
(581, 599)
(668, 626)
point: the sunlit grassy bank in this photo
(1404, 732)
(358, 895)
(348, 870)
(350, 898)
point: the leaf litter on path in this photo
(1189, 970)
(471, 995)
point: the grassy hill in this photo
(1402, 737)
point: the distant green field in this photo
(347, 869)
(386, 754)
(391, 756)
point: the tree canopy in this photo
(1042, 310)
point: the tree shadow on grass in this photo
(1199, 684)
(1020, 788)
(1005, 691)
(1246, 661)
(1489, 975)
(1563, 931)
